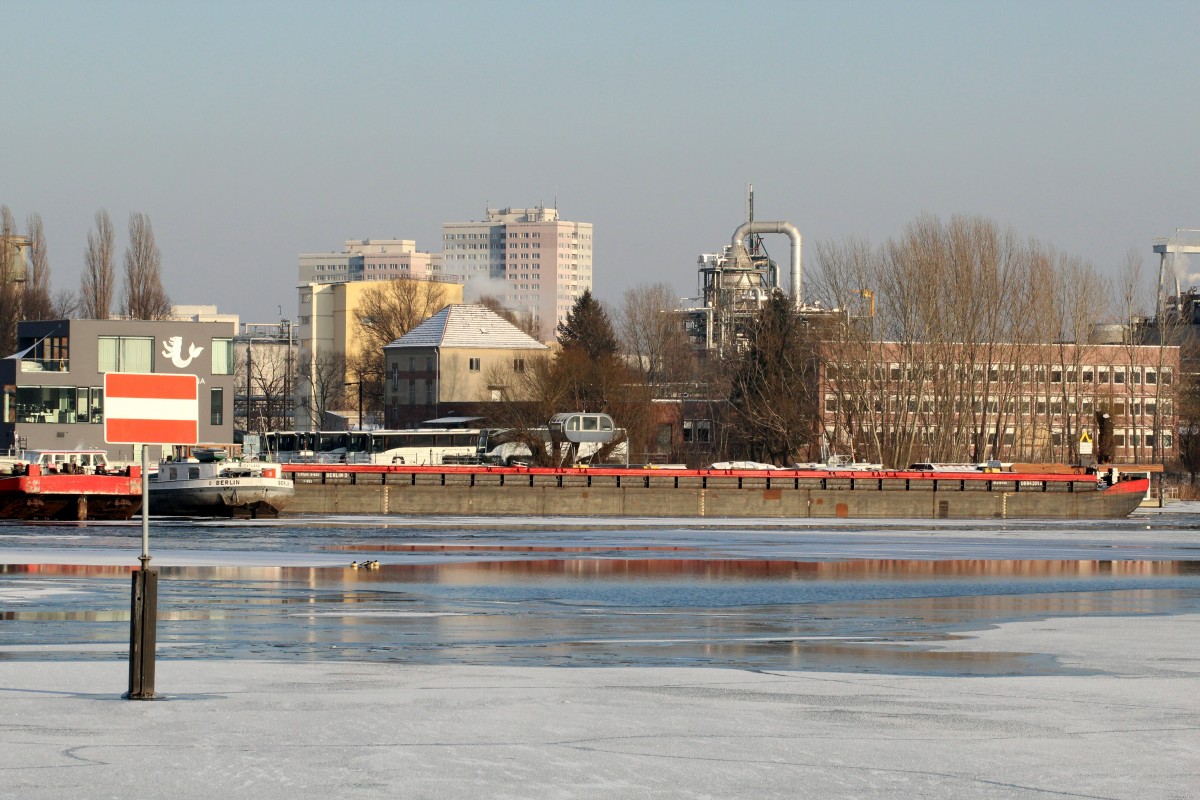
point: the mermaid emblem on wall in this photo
(173, 349)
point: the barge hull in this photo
(70, 497)
(578, 493)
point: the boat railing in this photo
(626, 478)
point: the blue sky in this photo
(251, 132)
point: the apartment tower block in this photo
(533, 261)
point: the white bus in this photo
(415, 447)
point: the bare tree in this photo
(65, 304)
(956, 341)
(143, 296)
(12, 277)
(99, 276)
(37, 303)
(262, 385)
(387, 311)
(325, 377)
(652, 335)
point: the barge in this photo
(34, 494)
(650, 492)
(209, 485)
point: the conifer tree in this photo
(588, 328)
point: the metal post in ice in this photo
(143, 614)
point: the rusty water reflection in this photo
(590, 608)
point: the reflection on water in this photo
(565, 606)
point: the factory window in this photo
(1151, 377)
(1118, 440)
(1056, 375)
(1118, 376)
(1102, 375)
(1087, 375)
(1167, 378)
(1135, 376)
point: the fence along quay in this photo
(650, 492)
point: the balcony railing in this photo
(45, 365)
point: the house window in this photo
(518, 365)
(217, 405)
(412, 393)
(473, 364)
(428, 392)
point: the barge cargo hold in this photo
(648, 492)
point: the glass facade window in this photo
(217, 405)
(222, 356)
(43, 404)
(126, 354)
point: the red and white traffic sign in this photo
(141, 408)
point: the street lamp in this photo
(359, 384)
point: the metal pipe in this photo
(793, 233)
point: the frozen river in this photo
(757, 594)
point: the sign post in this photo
(1085, 447)
(141, 408)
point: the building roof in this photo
(472, 326)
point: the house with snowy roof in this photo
(449, 364)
